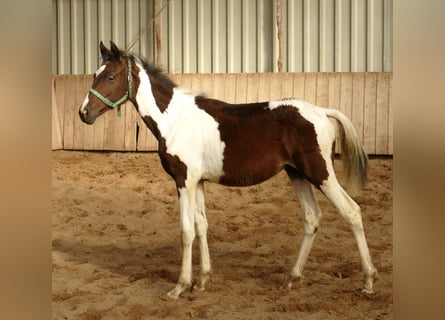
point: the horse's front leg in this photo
(201, 232)
(187, 199)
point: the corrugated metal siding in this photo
(228, 36)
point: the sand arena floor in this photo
(116, 246)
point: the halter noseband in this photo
(118, 103)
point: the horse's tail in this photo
(354, 158)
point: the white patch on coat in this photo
(84, 103)
(193, 135)
(100, 70)
(86, 100)
(189, 132)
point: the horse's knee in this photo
(187, 237)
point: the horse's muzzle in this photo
(85, 116)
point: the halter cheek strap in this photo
(127, 95)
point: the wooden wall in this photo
(365, 97)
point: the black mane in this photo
(155, 72)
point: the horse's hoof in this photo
(198, 288)
(171, 295)
(292, 279)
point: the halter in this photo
(118, 103)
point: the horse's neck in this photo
(152, 98)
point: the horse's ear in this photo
(115, 50)
(105, 53)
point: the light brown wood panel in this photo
(390, 118)
(253, 82)
(130, 114)
(299, 85)
(322, 93)
(334, 100)
(56, 133)
(207, 84)
(275, 86)
(60, 85)
(358, 101)
(68, 121)
(364, 97)
(264, 87)
(78, 125)
(346, 94)
(382, 110)
(369, 117)
(310, 87)
(287, 85)
(241, 88)
(114, 131)
(230, 88)
(219, 84)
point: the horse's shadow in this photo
(132, 261)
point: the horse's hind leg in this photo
(311, 217)
(201, 232)
(350, 211)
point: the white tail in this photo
(354, 157)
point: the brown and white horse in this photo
(203, 139)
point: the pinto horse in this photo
(202, 139)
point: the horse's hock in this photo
(365, 98)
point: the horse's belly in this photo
(250, 173)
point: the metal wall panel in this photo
(227, 36)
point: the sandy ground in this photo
(116, 246)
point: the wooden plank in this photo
(185, 80)
(275, 86)
(114, 131)
(334, 100)
(264, 87)
(59, 87)
(334, 90)
(207, 84)
(346, 94)
(369, 121)
(364, 97)
(390, 118)
(322, 94)
(253, 82)
(88, 131)
(382, 113)
(130, 114)
(145, 139)
(358, 101)
(78, 125)
(310, 87)
(56, 133)
(230, 88)
(241, 88)
(68, 121)
(196, 83)
(287, 85)
(219, 84)
(299, 85)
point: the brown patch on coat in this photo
(171, 164)
(260, 142)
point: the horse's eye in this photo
(111, 78)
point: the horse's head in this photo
(112, 85)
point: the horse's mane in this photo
(154, 71)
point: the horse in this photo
(207, 140)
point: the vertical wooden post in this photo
(158, 32)
(279, 13)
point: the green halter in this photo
(118, 103)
